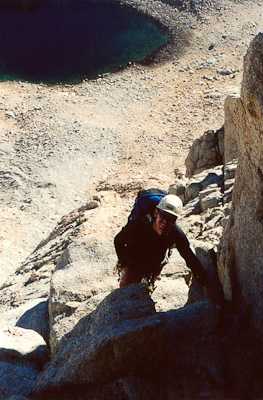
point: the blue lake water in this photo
(69, 40)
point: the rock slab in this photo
(115, 340)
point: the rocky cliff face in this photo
(99, 336)
(240, 260)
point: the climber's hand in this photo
(115, 269)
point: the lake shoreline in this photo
(175, 22)
(72, 41)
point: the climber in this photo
(143, 246)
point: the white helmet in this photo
(171, 204)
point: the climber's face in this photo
(163, 221)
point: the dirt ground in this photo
(125, 130)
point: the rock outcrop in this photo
(205, 153)
(23, 345)
(81, 275)
(207, 200)
(241, 252)
(125, 350)
(194, 355)
(23, 352)
(230, 135)
(16, 379)
(115, 340)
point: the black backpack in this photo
(145, 203)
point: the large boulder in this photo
(206, 152)
(23, 345)
(23, 352)
(115, 340)
(83, 271)
(30, 283)
(241, 254)
(16, 380)
(66, 321)
(194, 359)
(170, 294)
(125, 350)
(172, 290)
(36, 319)
(33, 314)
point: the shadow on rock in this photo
(36, 319)
(122, 338)
(125, 350)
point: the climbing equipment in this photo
(171, 204)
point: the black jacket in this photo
(140, 248)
